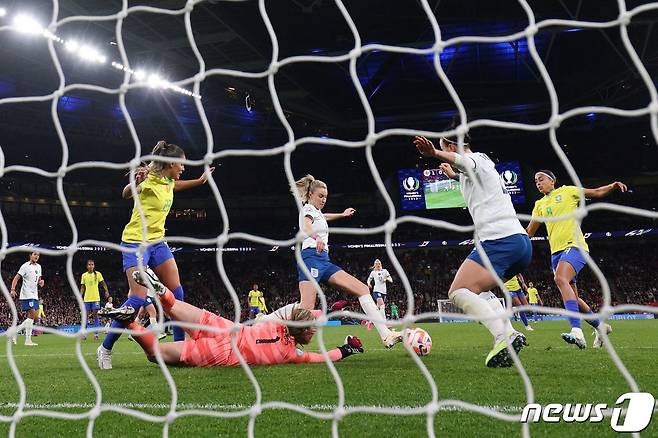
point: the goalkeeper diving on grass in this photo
(269, 343)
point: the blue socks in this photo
(593, 322)
(97, 322)
(179, 333)
(524, 318)
(572, 305)
(111, 338)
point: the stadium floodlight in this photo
(3, 12)
(72, 45)
(154, 80)
(140, 75)
(26, 24)
(87, 53)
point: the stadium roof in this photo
(496, 80)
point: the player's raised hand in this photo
(425, 146)
(617, 185)
(204, 178)
(351, 346)
(349, 212)
(140, 174)
(448, 170)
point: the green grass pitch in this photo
(559, 373)
(444, 199)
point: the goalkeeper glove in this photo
(352, 346)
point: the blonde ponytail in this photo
(307, 185)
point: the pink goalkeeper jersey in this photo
(262, 344)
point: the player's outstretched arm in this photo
(427, 149)
(333, 216)
(603, 191)
(351, 346)
(191, 183)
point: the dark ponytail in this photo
(164, 149)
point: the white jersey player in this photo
(315, 256)
(377, 281)
(108, 306)
(500, 233)
(30, 275)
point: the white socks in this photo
(153, 321)
(28, 323)
(475, 306)
(497, 307)
(382, 311)
(370, 309)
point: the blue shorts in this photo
(571, 255)
(148, 301)
(254, 309)
(92, 305)
(517, 294)
(508, 256)
(376, 295)
(30, 304)
(319, 264)
(154, 256)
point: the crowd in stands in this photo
(627, 265)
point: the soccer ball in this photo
(419, 340)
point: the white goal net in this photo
(192, 87)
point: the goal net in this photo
(191, 87)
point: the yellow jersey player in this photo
(568, 244)
(516, 286)
(41, 316)
(261, 304)
(534, 299)
(156, 184)
(254, 301)
(89, 282)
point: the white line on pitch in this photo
(37, 354)
(226, 407)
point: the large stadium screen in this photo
(431, 188)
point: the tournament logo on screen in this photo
(411, 184)
(412, 196)
(509, 177)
